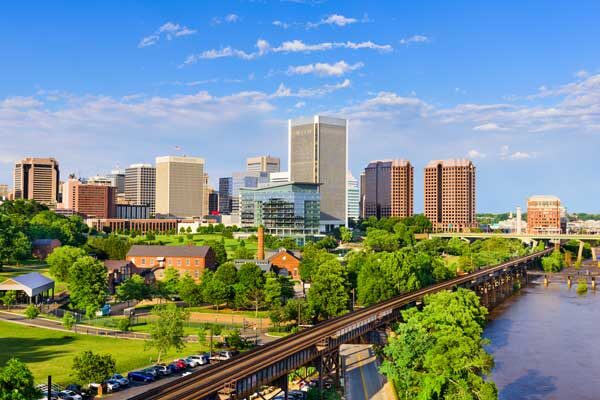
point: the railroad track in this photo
(214, 378)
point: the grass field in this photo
(230, 244)
(49, 352)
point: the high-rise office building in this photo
(117, 179)
(213, 202)
(94, 200)
(279, 177)
(450, 194)
(388, 189)
(245, 180)
(544, 215)
(353, 198)
(3, 191)
(225, 193)
(363, 186)
(98, 180)
(37, 179)
(206, 191)
(263, 164)
(140, 185)
(179, 186)
(318, 153)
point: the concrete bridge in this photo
(319, 346)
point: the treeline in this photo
(23, 221)
(482, 253)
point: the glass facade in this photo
(291, 209)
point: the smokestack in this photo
(260, 252)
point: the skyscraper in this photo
(117, 178)
(263, 164)
(248, 180)
(3, 191)
(140, 185)
(94, 200)
(353, 198)
(179, 186)
(450, 194)
(225, 188)
(37, 179)
(206, 191)
(318, 153)
(543, 214)
(388, 189)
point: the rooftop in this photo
(168, 251)
(453, 162)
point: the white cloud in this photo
(300, 104)
(337, 19)
(284, 91)
(324, 69)
(331, 20)
(281, 24)
(232, 18)
(291, 46)
(169, 30)
(488, 127)
(20, 102)
(582, 74)
(507, 154)
(519, 155)
(473, 153)
(414, 39)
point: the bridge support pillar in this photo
(329, 367)
(580, 252)
(282, 383)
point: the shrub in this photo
(68, 320)
(32, 311)
(123, 324)
(582, 286)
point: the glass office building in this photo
(286, 209)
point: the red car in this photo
(181, 364)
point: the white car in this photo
(123, 382)
(201, 359)
(192, 362)
(70, 394)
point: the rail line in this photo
(208, 381)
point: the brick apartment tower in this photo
(543, 215)
(97, 201)
(388, 189)
(450, 194)
(37, 179)
(260, 251)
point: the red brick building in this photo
(41, 248)
(285, 259)
(185, 259)
(543, 215)
(95, 201)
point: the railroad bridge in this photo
(319, 346)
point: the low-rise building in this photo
(287, 260)
(192, 260)
(41, 248)
(141, 226)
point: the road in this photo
(362, 378)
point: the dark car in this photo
(151, 371)
(140, 376)
(176, 367)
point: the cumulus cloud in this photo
(229, 18)
(232, 18)
(490, 126)
(582, 74)
(414, 39)
(473, 153)
(292, 46)
(331, 20)
(324, 69)
(284, 91)
(168, 30)
(507, 154)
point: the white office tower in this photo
(318, 153)
(353, 198)
(180, 186)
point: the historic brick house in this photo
(185, 259)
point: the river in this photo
(546, 344)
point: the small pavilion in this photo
(33, 285)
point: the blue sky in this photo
(515, 86)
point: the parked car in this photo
(181, 363)
(175, 367)
(69, 395)
(163, 369)
(104, 311)
(123, 382)
(112, 385)
(225, 355)
(140, 376)
(192, 362)
(151, 371)
(201, 359)
(297, 395)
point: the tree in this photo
(112, 247)
(328, 242)
(227, 273)
(49, 225)
(327, 295)
(170, 283)
(16, 382)
(380, 240)
(61, 259)
(243, 253)
(14, 244)
(219, 249)
(87, 284)
(166, 331)
(9, 298)
(346, 234)
(89, 367)
(31, 311)
(68, 320)
(214, 291)
(277, 289)
(312, 257)
(134, 288)
(555, 262)
(438, 353)
(189, 291)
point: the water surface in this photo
(546, 344)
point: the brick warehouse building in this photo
(185, 259)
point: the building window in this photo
(179, 262)
(143, 261)
(197, 262)
(197, 274)
(187, 261)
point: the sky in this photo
(514, 86)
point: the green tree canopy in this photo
(189, 291)
(438, 353)
(312, 257)
(134, 288)
(90, 367)
(87, 284)
(166, 331)
(16, 382)
(555, 262)
(327, 295)
(219, 249)
(61, 259)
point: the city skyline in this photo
(419, 86)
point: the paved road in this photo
(362, 379)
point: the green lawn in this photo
(49, 352)
(228, 311)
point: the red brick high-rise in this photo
(387, 189)
(450, 194)
(543, 215)
(98, 201)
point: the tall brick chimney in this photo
(260, 251)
